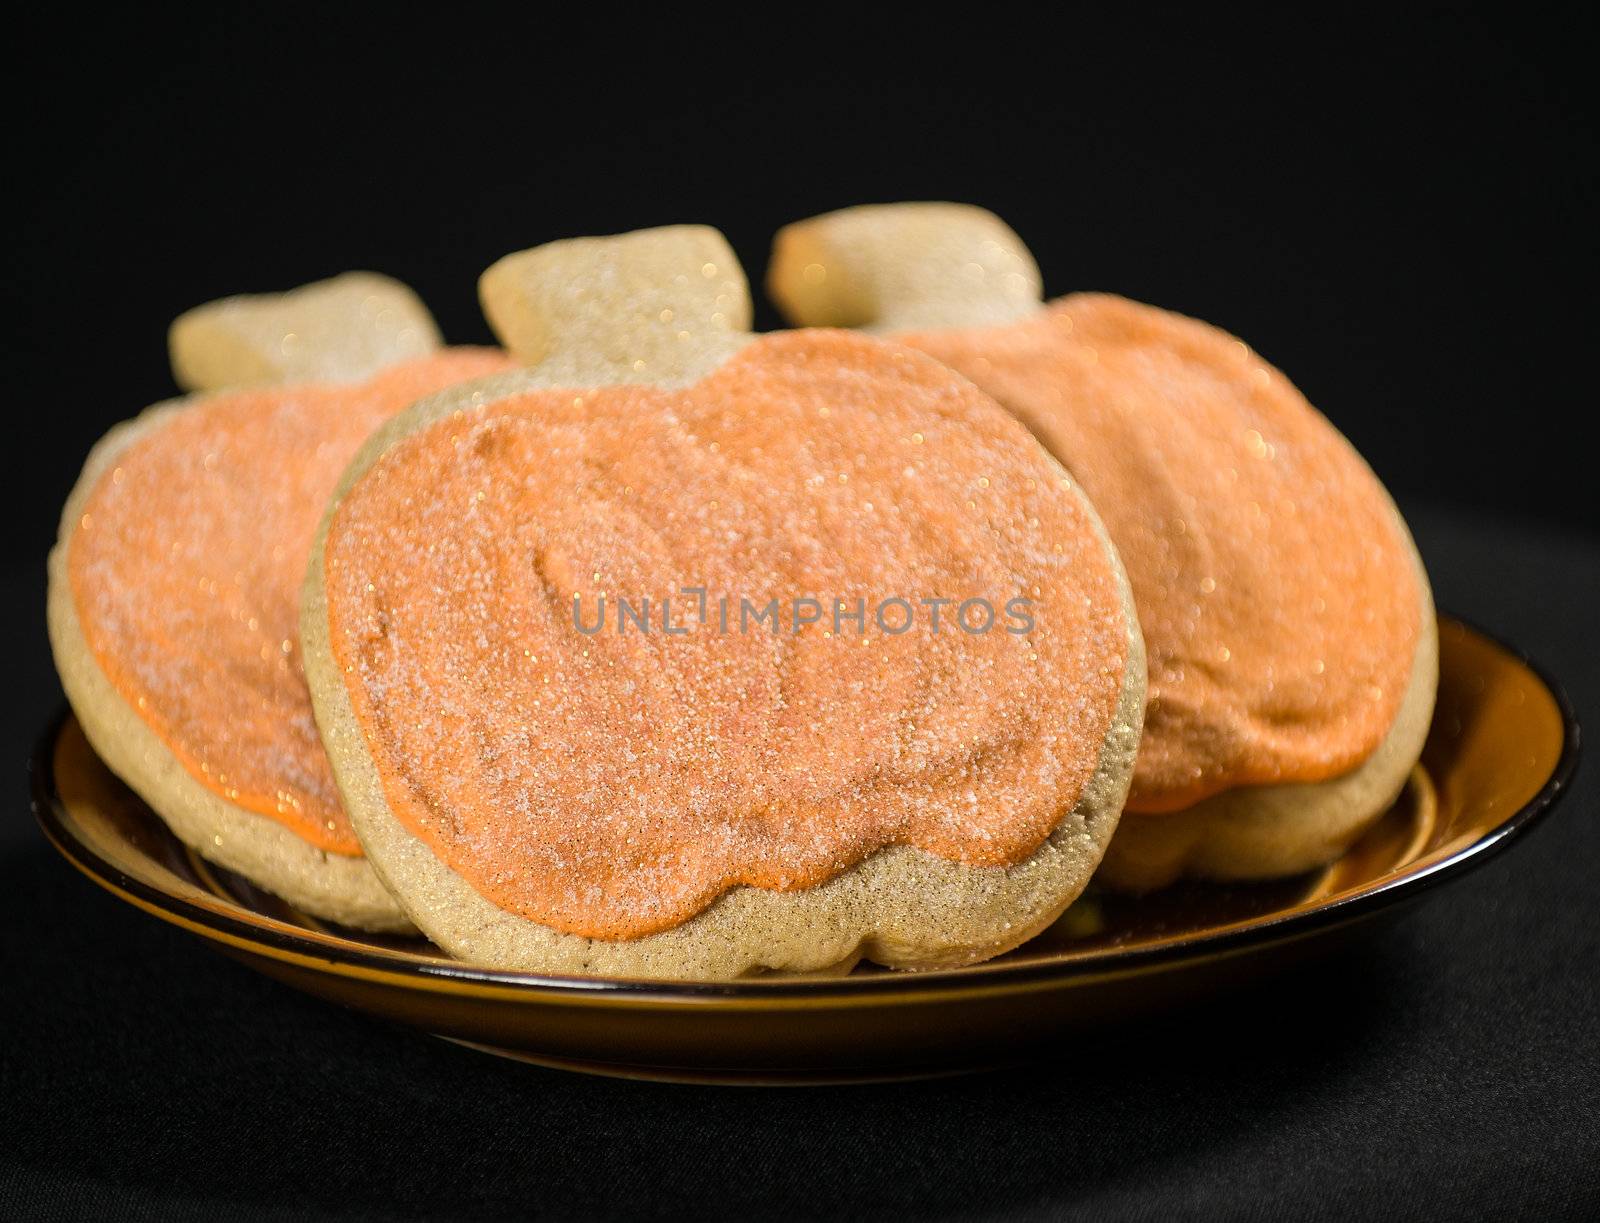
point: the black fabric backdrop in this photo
(1398, 211)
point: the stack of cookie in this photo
(650, 647)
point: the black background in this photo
(1397, 211)
(1400, 214)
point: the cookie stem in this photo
(656, 305)
(902, 267)
(341, 330)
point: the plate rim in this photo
(281, 942)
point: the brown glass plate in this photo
(1502, 748)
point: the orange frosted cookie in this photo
(1274, 583)
(1288, 620)
(644, 679)
(174, 612)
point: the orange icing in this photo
(186, 569)
(613, 785)
(1276, 589)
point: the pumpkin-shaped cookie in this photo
(1289, 623)
(175, 582)
(691, 653)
